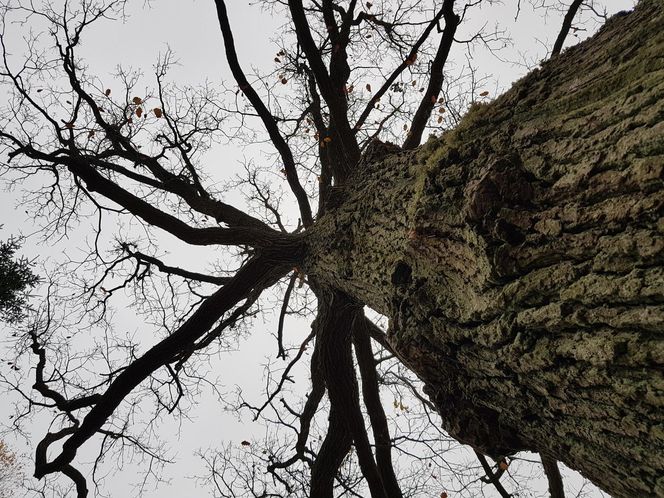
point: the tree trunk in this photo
(520, 260)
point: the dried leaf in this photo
(368, 87)
(39, 90)
(484, 94)
(284, 81)
(277, 60)
(245, 443)
(503, 465)
(157, 112)
(107, 92)
(139, 112)
(137, 100)
(440, 119)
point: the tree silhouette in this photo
(16, 278)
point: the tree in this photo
(16, 278)
(518, 256)
(11, 472)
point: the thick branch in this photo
(265, 115)
(256, 274)
(430, 96)
(374, 406)
(567, 25)
(556, 487)
(334, 96)
(335, 319)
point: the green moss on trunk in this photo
(520, 259)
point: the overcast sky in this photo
(190, 29)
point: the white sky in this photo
(190, 29)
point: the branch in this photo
(282, 315)
(173, 270)
(256, 274)
(430, 97)
(335, 447)
(310, 408)
(567, 24)
(395, 74)
(265, 115)
(374, 406)
(95, 182)
(493, 477)
(284, 377)
(334, 96)
(195, 197)
(556, 487)
(336, 315)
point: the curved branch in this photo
(282, 316)
(493, 477)
(255, 275)
(265, 115)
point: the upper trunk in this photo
(520, 260)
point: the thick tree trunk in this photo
(520, 259)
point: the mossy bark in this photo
(520, 259)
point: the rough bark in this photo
(520, 258)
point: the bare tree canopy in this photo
(517, 255)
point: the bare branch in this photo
(430, 97)
(567, 25)
(265, 115)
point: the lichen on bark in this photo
(520, 259)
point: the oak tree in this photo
(517, 256)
